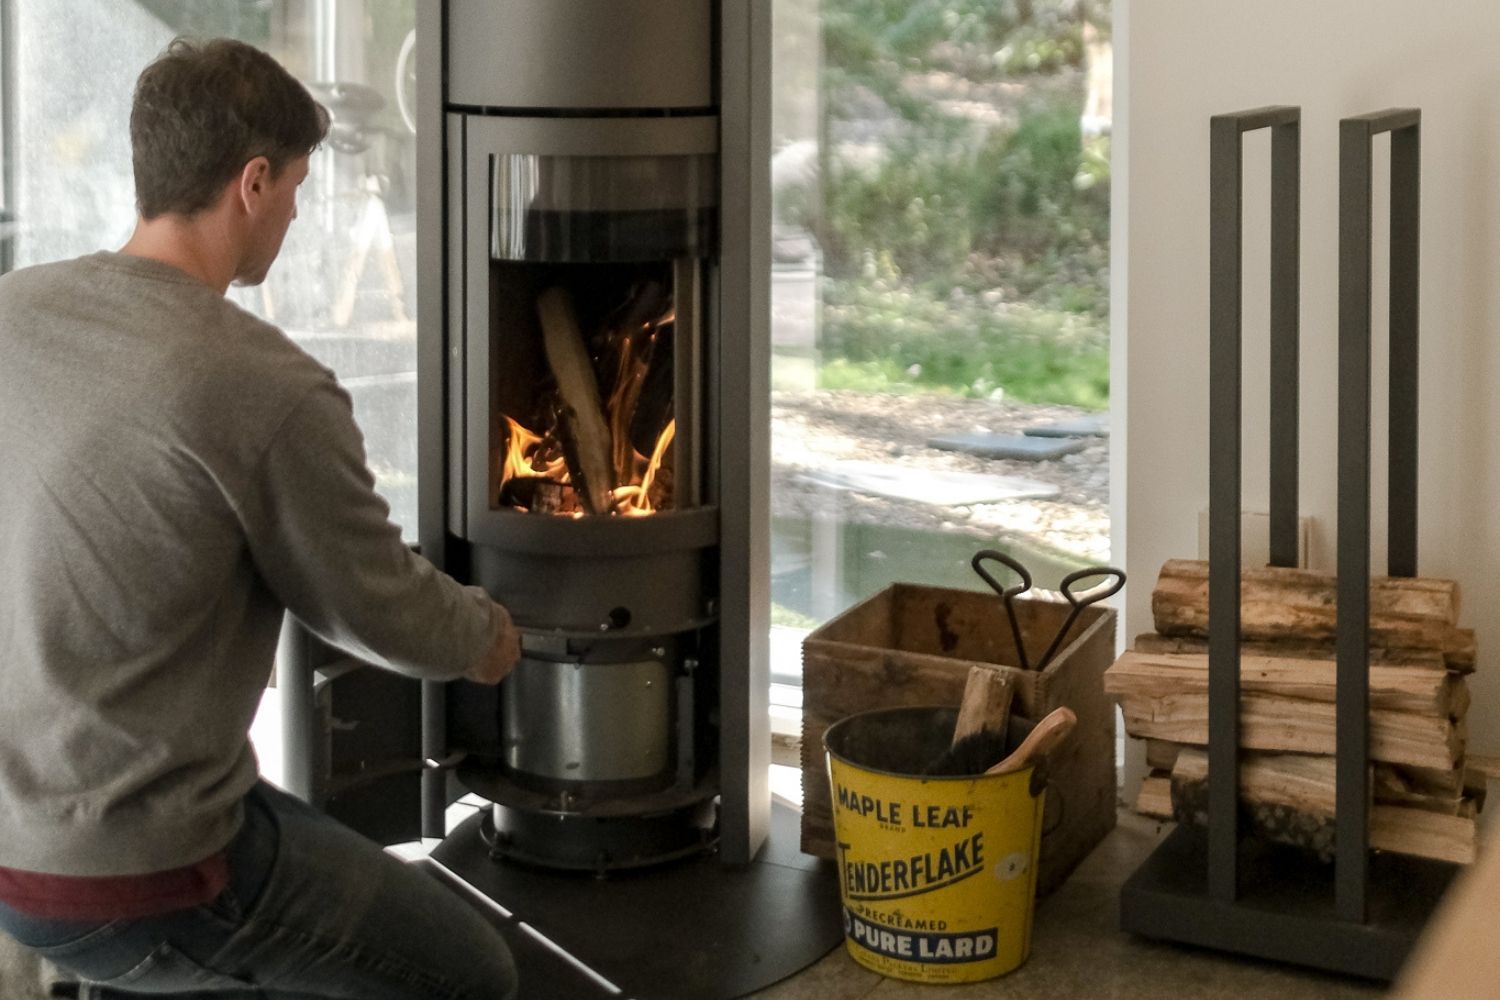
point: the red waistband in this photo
(114, 897)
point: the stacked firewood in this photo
(1426, 802)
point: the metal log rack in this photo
(1217, 888)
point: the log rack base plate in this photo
(1285, 909)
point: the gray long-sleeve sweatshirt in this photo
(174, 472)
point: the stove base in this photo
(599, 845)
(695, 928)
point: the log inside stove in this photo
(609, 421)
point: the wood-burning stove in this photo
(590, 398)
(593, 199)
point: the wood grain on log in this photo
(1299, 605)
(1296, 649)
(1270, 722)
(1416, 788)
(590, 465)
(1154, 798)
(1427, 689)
(985, 703)
(1291, 799)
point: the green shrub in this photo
(879, 337)
(963, 257)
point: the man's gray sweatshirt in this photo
(174, 473)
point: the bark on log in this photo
(1402, 831)
(1413, 787)
(1291, 799)
(1299, 605)
(1269, 722)
(590, 462)
(1161, 754)
(1390, 787)
(1427, 689)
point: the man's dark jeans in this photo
(313, 912)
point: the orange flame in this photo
(524, 456)
(532, 455)
(635, 501)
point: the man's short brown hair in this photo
(205, 109)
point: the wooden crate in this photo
(913, 645)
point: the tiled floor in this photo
(1078, 953)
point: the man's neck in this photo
(198, 246)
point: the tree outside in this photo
(942, 168)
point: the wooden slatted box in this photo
(913, 645)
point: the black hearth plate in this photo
(690, 930)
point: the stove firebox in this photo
(576, 421)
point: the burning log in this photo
(653, 409)
(630, 350)
(539, 495)
(1278, 604)
(582, 426)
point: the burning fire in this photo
(529, 455)
(607, 398)
(636, 500)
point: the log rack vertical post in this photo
(1226, 154)
(1217, 888)
(1356, 139)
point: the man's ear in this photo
(252, 183)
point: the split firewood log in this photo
(1424, 688)
(1290, 798)
(1429, 788)
(585, 433)
(1283, 604)
(1273, 722)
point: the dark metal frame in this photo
(432, 376)
(1218, 889)
(1356, 137)
(7, 134)
(1226, 149)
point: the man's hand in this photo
(503, 653)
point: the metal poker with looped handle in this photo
(1093, 595)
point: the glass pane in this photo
(345, 284)
(940, 177)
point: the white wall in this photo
(1185, 60)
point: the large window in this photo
(941, 188)
(940, 183)
(345, 285)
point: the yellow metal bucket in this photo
(937, 875)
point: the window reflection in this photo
(345, 285)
